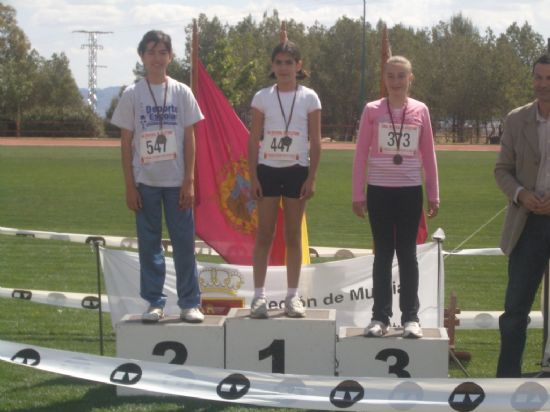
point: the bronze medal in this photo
(397, 158)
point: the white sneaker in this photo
(192, 315)
(376, 329)
(294, 308)
(152, 315)
(412, 330)
(258, 308)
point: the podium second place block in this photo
(171, 341)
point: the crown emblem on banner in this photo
(219, 280)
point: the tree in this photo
(55, 85)
(39, 92)
(337, 77)
(14, 44)
(16, 88)
(16, 67)
(527, 44)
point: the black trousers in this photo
(526, 266)
(394, 215)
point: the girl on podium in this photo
(395, 148)
(284, 149)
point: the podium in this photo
(280, 344)
(393, 356)
(171, 341)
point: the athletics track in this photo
(37, 141)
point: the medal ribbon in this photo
(287, 124)
(161, 117)
(397, 137)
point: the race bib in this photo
(277, 145)
(388, 139)
(158, 146)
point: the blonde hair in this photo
(399, 60)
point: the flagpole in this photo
(283, 36)
(194, 58)
(385, 54)
(363, 59)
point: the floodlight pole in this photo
(363, 58)
(93, 47)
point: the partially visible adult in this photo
(522, 172)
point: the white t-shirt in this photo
(277, 148)
(157, 156)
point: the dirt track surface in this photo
(37, 141)
(43, 141)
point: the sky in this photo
(50, 25)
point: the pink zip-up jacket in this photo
(381, 169)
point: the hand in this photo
(256, 189)
(433, 208)
(187, 194)
(530, 201)
(359, 208)
(308, 189)
(544, 206)
(133, 199)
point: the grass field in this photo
(80, 190)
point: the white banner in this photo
(345, 285)
(468, 319)
(201, 248)
(54, 298)
(486, 251)
(291, 391)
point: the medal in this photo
(286, 140)
(397, 158)
(161, 139)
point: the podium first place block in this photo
(171, 341)
(393, 356)
(280, 344)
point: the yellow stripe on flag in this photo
(305, 243)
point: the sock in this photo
(291, 292)
(259, 292)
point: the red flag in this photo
(422, 234)
(225, 214)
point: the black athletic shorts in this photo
(282, 181)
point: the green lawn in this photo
(80, 190)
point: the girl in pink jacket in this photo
(394, 152)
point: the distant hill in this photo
(104, 97)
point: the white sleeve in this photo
(191, 110)
(258, 102)
(124, 116)
(314, 103)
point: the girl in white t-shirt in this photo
(284, 149)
